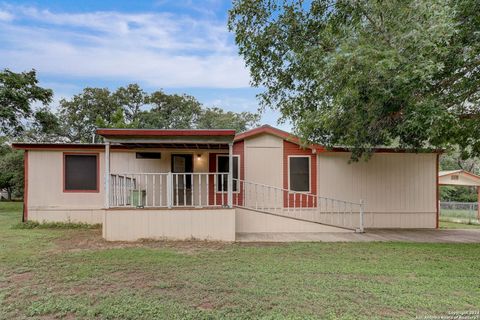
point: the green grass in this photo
(463, 214)
(466, 217)
(56, 273)
(455, 225)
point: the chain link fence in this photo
(462, 212)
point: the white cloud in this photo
(5, 16)
(154, 49)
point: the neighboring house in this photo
(461, 178)
(214, 184)
(3, 194)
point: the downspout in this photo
(437, 225)
(25, 186)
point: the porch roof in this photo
(170, 138)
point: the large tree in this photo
(18, 91)
(131, 99)
(216, 118)
(11, 169)
(367, 73)
(83, 113)
(170, 111)
(132, 107)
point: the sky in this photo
(179, 46)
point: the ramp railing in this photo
(299, 205)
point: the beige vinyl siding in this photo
(399, 189)
(263, 164)
(45, 178)
(264, 160)
(126, 161)
(253, 221)
(175, 224)
(48, 202)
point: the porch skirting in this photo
(177, 224)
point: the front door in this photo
(182, 164)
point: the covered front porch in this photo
(168, 168)
(183, 184)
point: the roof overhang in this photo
(266, 129)
(169, 138)
(60, 146)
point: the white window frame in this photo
(216, 170)
(309, 172)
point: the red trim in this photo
(276, 132)
(385, 150)
(64, 146)
(238, 150)
(98, 172)
(25, 186)
(165, 132)
(437, 224)
(292, 149)
(319, 148)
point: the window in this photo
(454, 177)
(148, 155)
(299, 173)
(80, 172)
(222, 166)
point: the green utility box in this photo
(138, 198)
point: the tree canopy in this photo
(11, 169)
(18, 91)
(213, 118)
(132, 107)
(362, 74)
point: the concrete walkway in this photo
(410, 235)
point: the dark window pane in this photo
(223, 167)
(148, 155)
(299, 174)
(81, 172)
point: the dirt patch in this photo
(206, 305)
(78, 240)
(20, 277)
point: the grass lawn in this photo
(456, 213)
(455, 225)
(74, 274)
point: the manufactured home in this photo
(217, 184)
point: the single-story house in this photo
(216, 184)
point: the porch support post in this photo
(478, 203)
(170, 192)
(230, 175)
(107, 174)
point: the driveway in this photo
(403, 235)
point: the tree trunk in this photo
(9, 194)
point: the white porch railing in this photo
(168, 190)
(299, 205)
(172, 190)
